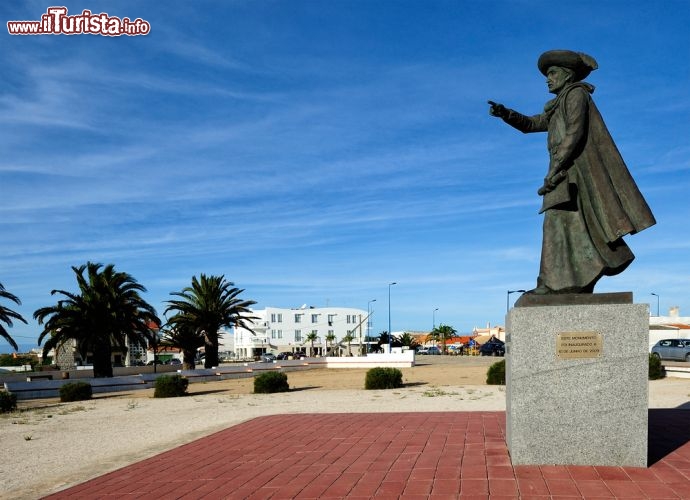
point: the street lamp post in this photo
(369, 322)
(433, 322)
(508, 298)
(657, 303)
(390, 334)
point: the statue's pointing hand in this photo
(497, 109)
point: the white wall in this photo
(672, 326)
(657, 334)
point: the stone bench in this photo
(38, 389)
(199, 375)
(677, 371)
(234, 372)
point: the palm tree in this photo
(348, 338)
(106, 312)
(208, 305)
(385, 338)
(330, 338)
(7, 315)
(186, 339)
(442, 333)
(408, 340)
(311, 337)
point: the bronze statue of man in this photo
(590, 200)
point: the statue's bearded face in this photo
(557, 78)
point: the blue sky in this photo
(315, 151)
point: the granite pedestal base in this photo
(569, 410)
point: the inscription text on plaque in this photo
(575, 345)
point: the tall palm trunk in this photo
(102, 365)
(211, 350)
(189, 359)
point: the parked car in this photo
(173, 361)
(158, 362)
(268, 358)
(288, 355)
(456, 349)
(433, 350)
(675, 349)
(493, 347)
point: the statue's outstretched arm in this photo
(525, 124)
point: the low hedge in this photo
(8, 401)
(656, 369)
(75, 391)
(270, 382)
(170, 386)
(383, 378)
(496, 374)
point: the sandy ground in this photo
(51, 445)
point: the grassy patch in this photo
(437, 391)
(71, 409)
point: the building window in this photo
(314, 318)
(331, 317)
(273, 334)
(276, 318)
(280, 334)
(298, 335)
(298, 318)
(280, 318)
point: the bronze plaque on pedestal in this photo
(577, 345)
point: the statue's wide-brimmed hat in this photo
(580, 63)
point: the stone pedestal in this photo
(577, 384)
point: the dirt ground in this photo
(431, 372)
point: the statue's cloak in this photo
(591, 200)
(609, 198)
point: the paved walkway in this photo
(388, 455)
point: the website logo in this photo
(56, 21)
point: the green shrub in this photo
(383, 378)
(656, 369)
(8, 401)
(170, 386)
(270, 382)
(75, 391)
(496, 375)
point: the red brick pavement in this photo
(388, 455)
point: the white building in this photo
(288, 330)
(673, 326)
